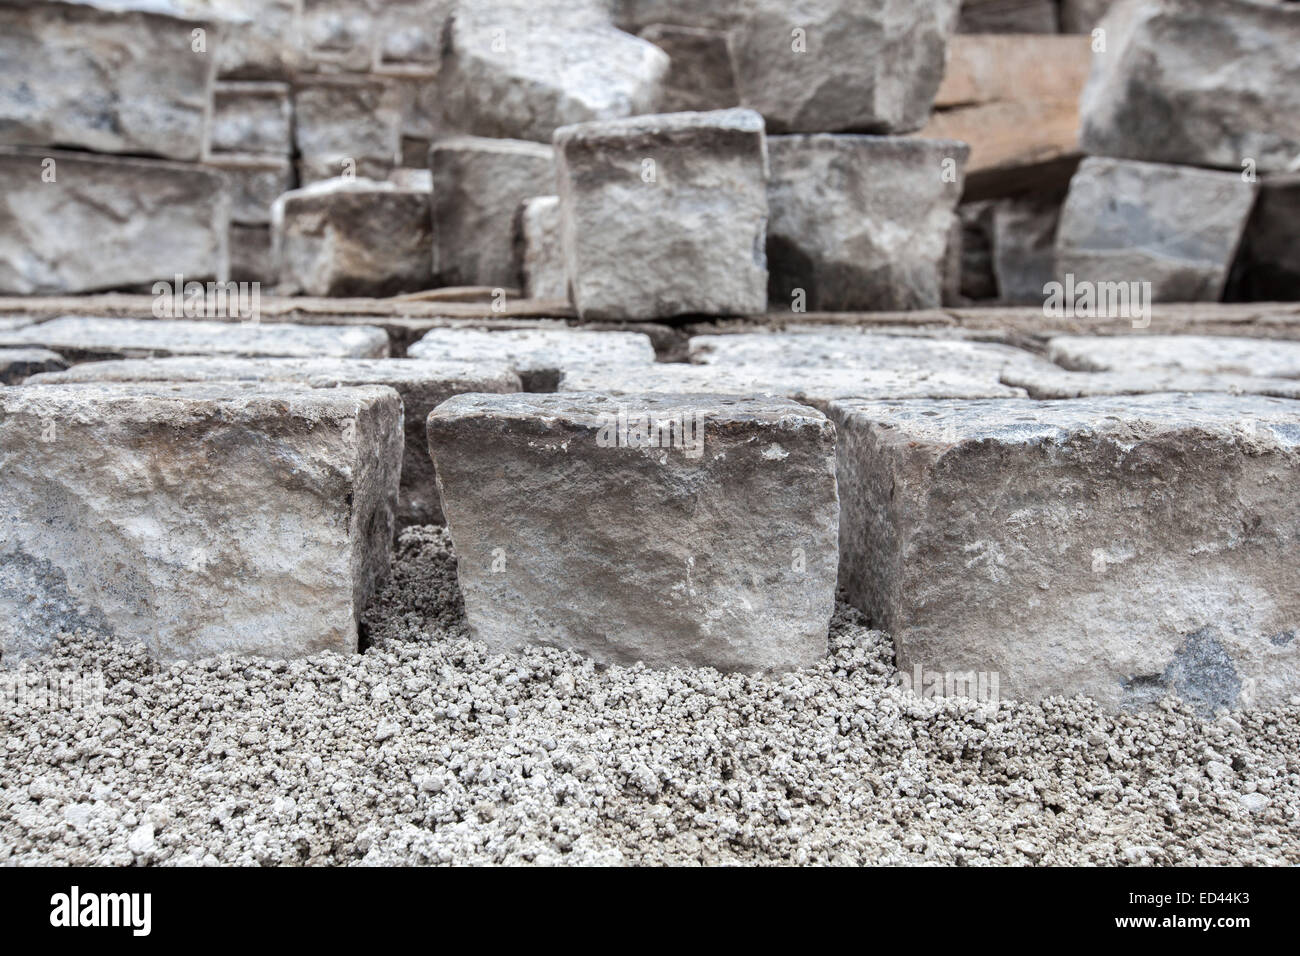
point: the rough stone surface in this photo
(665, 215)
(1048, 383)
(17, 364)
(1173, 226)
(340, 35)
(860, 222)
(540, 249)
(115, 81)
(700, 75)
(539, 356)
(824, 349)
(252, 117)
(149, 219)
(865, 65)
(718, 552)
(1024, 246)
(1200, 82)
(353, 237)
(1122, 548)
(255, 183)
(346, 124)
(1268, 263)
(810, 385)
(90, 339)
(410, 31)
(1206, 354)
(197, 519)
(523, 69)
(423, 385)
(478, 184)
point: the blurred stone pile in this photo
(352, 147)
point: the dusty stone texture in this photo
(808, 385)
(539, 248)
(16, 363)
(825, 349)
(262, 42)
(353, 237)
(346, 123)
(197, 519)
(665, 215)
(1122, 548)
(478, 184)
(1048, 383)
(1268, 263)
(718, 553)
(81, 339)
(1008, 16)
(866, 66)
(520, 70)
(149, 219)
(861, 223)
(636, 15)
(422, 385)
(1173, 226)
(700, 75)
(114, 81)
(251, 117)
(340, 35)
(539, 356)
(410, 31)
(1205, 354)
(255, 183)
(1200, 82)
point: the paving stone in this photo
(1172, 226)
(1120, 548)
(665, 215)
(719, 552)
(809, 385)
(340, 35)
(478, 184)
(353, 237)
(252, 117)
(1048, 383)
(860, 222)
(17, 364)
(700, 75)
(255, 183)
(861, 65)
(540, 249)
(198, 519)
(423, 385)
(539, 356)
(150, 219)
(520, 70)
(1209, 354)
(410, 31)
(346, 124)
(114, 80)
(857, 349)
(81, 339)
(1200, 82)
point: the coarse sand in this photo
(424, 749)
